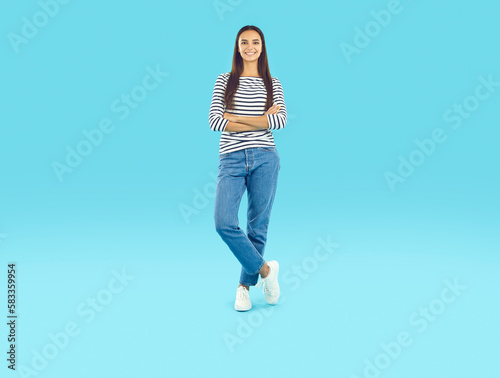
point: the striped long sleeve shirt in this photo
(250, 101)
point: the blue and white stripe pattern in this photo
(250, 101)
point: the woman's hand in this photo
(273, 109)
(230, 117)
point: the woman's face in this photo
(250, 45)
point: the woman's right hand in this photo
(273, 109)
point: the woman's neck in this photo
(250, 70)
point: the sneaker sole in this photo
(242, 308)
(278, 286)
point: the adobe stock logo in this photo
(428, 146)
(223, 6)
(421, 320)
(122, 106)
(31, 27)
(200, 200)
(363, 37)
(87, 310)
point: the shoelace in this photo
(265, 289)
(242, 293)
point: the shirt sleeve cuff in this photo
(224, 124)
(270, 120)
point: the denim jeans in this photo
(256, 170)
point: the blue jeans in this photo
(256, 170)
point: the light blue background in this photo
(347, 125)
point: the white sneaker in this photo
(242, 302)
(270, 285)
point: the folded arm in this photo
(277, 121)
(273, 120)
(244, 123)
(223, 121)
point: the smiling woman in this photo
(242, 96)
(248, 103)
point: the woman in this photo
(248, 159)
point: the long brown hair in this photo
(237, 69)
